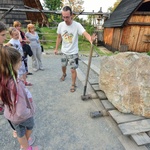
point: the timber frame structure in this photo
(27, 11)
(128, 28)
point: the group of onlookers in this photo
(15, 99)
(27, 44)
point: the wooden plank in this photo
(108, 39)
(124, 118)
(133, 37)
(126, 141)
(116, 38)
(49, 11)
(96, 87)
(135, 127)
(129, 144)
(141, 138)
(139, 23)
(108, 105)
(101, 95)
(98, 104)
(93, 81)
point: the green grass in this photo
(51, 35)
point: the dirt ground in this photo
(62, 119)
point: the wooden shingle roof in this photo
(122, 13)
(22, 16)
(35, 17)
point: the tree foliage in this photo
(52, 4)
(76, 5)
(111, 9)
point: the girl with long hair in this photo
(3, 30)
(16, 98)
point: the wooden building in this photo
(128, 28)
(23, 17)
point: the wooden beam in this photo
(120, 117)
(7, 12)
(52, 11)
(139, 23)
(148, 41)
(141, 13)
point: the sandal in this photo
(28, 84)
(36, 148)
(63, 77)
(33, 148)
(31, 140)
(73, 88)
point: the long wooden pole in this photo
(88, 70)
(7, 12)
(50, 11)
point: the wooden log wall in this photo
(139, 29)
(135, 36)
(108, 37)
(12, 16)
(116, 39)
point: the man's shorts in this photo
(22, 127)
(71, 60)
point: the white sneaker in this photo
(42, 69)
(35, 70)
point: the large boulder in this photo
(125, 79)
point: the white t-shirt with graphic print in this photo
(69, 35)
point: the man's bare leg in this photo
(64, 73)
(74, 76)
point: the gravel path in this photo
(62, 119)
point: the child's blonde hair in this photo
(12, 30)
(30, 26)
(16, 24)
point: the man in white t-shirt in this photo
(67, 33)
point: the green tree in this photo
(76, 5)
(111, 9)
(52, 4)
